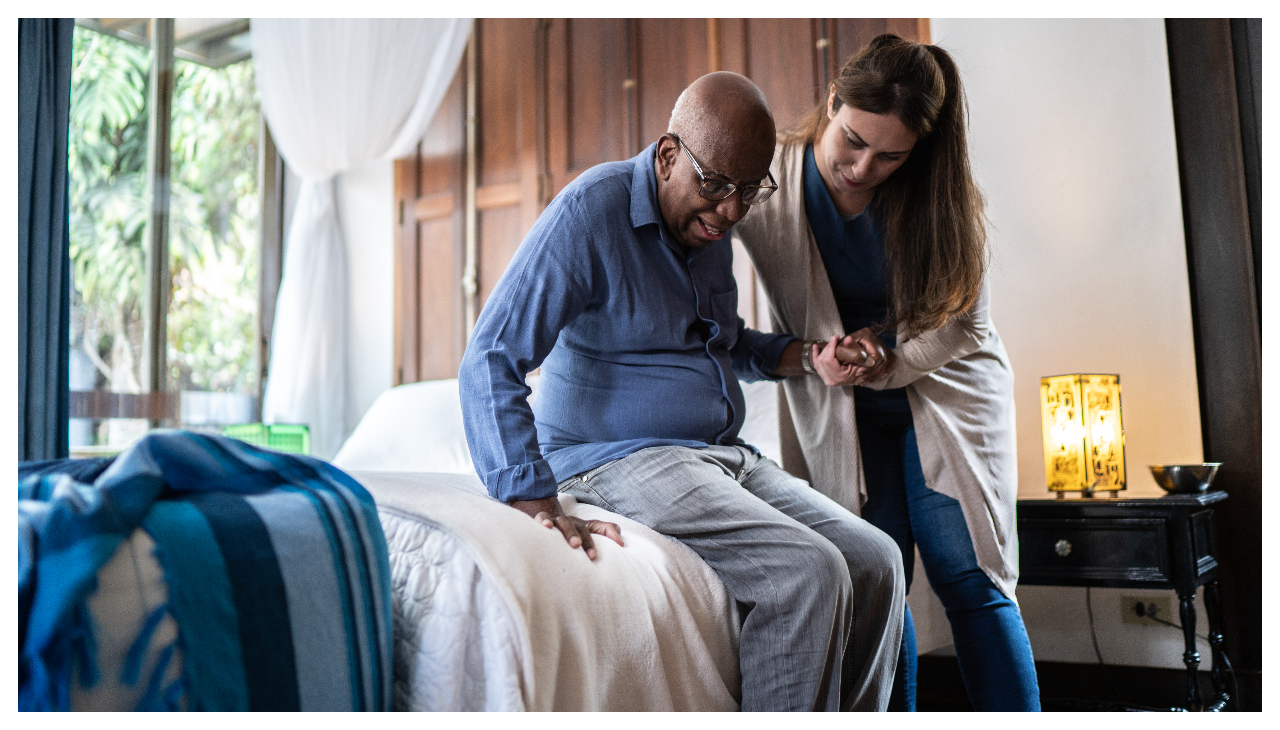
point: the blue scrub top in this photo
(852, 251)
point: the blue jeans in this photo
(991, 641)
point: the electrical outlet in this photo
(1140, 609)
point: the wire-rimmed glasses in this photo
(713, 189)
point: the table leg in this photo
(1217, 651)
(1190, 657)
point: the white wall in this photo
(366, 210)
(366, 213)
(1071, 133)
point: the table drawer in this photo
(1084, 551)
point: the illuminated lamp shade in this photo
(1083, 433)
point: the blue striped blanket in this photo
(276, 568)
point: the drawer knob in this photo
(1062, 548)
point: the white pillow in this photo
(418, 427)
(415, 427)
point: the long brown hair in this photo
(931, 208)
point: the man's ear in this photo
(666, 156)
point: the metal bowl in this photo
(1185, 478)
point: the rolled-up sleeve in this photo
(545, 287)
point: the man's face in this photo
(692, 219)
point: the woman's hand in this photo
(878, 361)
(837, 362)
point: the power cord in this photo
(1148, 612)
(1088, 604)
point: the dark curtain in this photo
(44, 265)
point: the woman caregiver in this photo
(877, 229)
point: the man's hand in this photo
(876, 363)
(577, 532)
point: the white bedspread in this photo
(495, 612)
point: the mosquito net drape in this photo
(336, 94)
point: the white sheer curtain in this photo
(336, 94)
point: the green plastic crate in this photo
(280, 437)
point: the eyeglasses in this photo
(720, 189)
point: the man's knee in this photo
(817, 562)
(877, 561)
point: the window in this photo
(209, 288)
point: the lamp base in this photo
(1089, 494)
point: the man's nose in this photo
(732, 207)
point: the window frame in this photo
(157, 403)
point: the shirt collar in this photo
(644, 189)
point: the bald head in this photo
(727, 130)
(722, 113)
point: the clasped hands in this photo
(855, 359)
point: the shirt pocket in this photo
(724, 307)
(724, 310)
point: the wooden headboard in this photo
(534, 104)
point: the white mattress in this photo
(492, 611)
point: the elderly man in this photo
(623, 293)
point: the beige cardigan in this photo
(958, 380)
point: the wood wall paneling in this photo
(501, 48)
(440, 345)
(507, 142)
(555, 97)
(731, 44)
(405, 282)
(673, 53)
(429, 192)
(589, 86)
(780, 54)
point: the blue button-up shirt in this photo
(638, 338)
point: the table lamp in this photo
(1083, 434)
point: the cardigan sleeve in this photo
(962, 335)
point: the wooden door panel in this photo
(507, 143)
(500, 235)
(440, 153)
(405, 282)
(440, 346)
(503, 45)
(854, 33)
(673, 53)
(781, 62)
(428, 298)
(588, 95)
(851, 34)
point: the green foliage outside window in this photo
(107, 161)
(213, 234)
(213, 230)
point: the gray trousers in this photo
(823, 589)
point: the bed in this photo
(491, 611)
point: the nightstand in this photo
(1157, 542)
